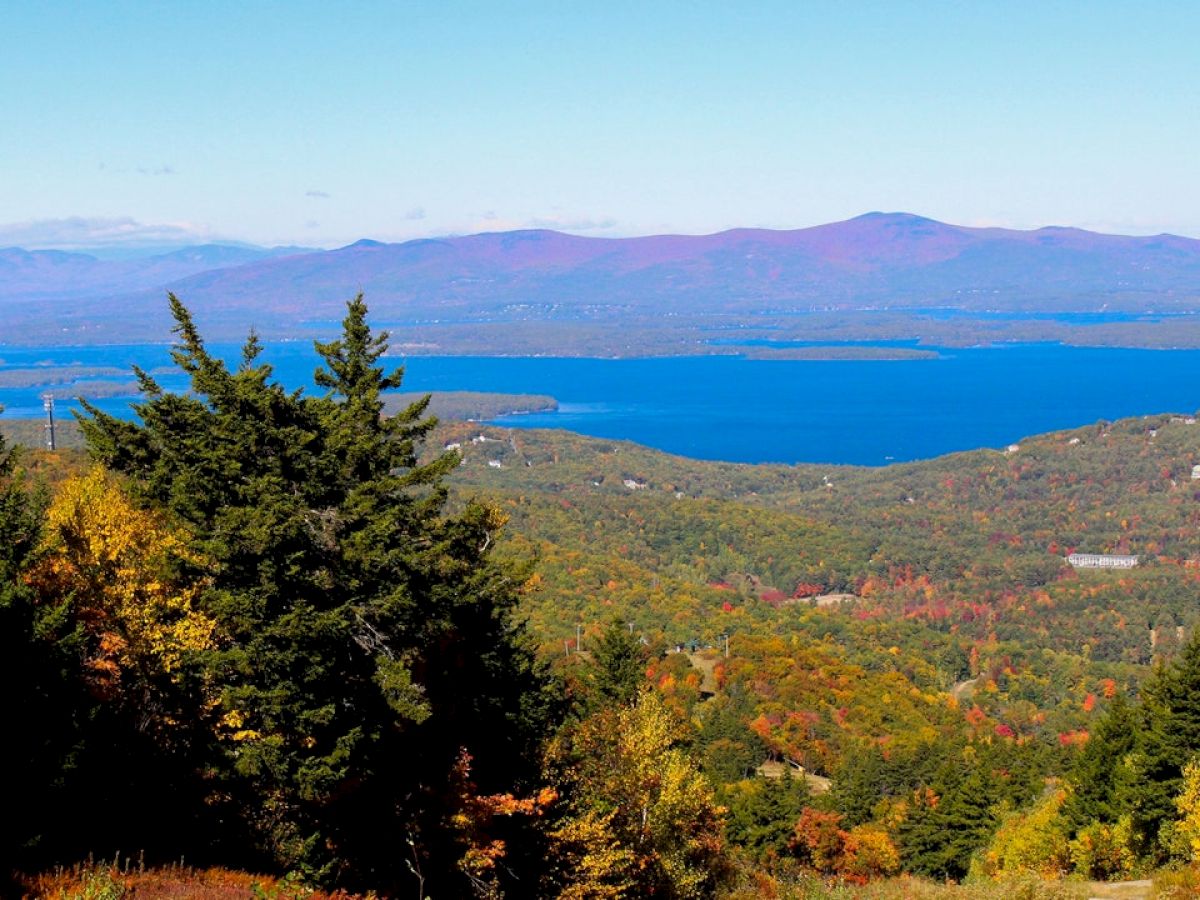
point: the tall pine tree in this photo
(366, 636)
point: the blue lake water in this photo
(732, 408)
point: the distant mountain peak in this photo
(898, 218)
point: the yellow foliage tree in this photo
(112, 569)
(1187, 829)
(1034, 841)
(589, 862)
(644, 819)
(1104, 851)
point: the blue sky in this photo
(319, 123)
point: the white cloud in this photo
(415, 214)
(89, 232)
(490, 221)
(561, 223)
(317, 195)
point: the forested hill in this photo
(971, 543)
(990, 525)
(908, 628)
(1122, 487)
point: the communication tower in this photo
(48, 405)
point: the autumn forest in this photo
(306, 644)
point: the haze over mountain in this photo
(59, 274)
(878, 261)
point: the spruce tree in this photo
(367, 637)
(620, 666)
(948, 821)
(1100, 776)
(18, 523)
(968, 817)
(859, 785)
(730, 751)
(1169, 739)
(762, 814)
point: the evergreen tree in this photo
(920, 835)
(18, 523)
(859, 785)
(34, 735)
(1100, 776)
(729, 749)
(1170, 737)
(620, 666)
(366, 637)
(763, 813)
(968, 817)
(947, 822)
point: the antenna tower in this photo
(48, 405)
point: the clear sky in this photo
(321, 122)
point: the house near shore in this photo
(1101, 561)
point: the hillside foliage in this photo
(316, 635)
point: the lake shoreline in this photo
(734, 407)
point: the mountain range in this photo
(60, 275)
(878, 261)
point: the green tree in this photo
(1100, 776)
(968, 815)
(619, 665)
(920, 835)
(18, 523)
(1170, 737)
(366, 636)
(35, 736)
(763, 813)
(730, 751)
(859, 785)
(948, 822)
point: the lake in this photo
(732, 408)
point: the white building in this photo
(1101, 561)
